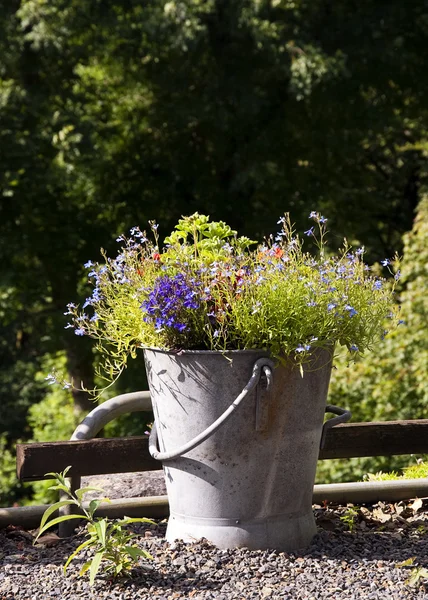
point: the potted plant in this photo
(238, 340)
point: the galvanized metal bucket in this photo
(239, 439)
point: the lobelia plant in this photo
(112, 545)
(209, 289)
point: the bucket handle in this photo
(343, 417)
(262, 364)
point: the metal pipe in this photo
(157, 506)
(110, 410)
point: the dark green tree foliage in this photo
(115, 112)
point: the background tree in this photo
(115, 112)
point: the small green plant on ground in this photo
(416, 471)
(112, 545)
(350, 518)
(417, 574)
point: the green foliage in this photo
(413, 471)
(349, 517)
(52, 420)
(10, 491)
(205, 290)
(111, 544)
(392, 383)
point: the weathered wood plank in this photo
(98, 456)
(124, 455)
(385, 438)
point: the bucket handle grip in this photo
(264, 365)
(343, 417)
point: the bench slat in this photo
(98, 456)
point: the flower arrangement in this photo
(209, 289)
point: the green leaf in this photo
(59, 476)
(52, 509)
(93, 505)
(61, 487)
(81, 491)
(127, 520)
(134, 552)
(85, 567)
(407, 563)
(60, 520)
(100, 528)
(76, 552)
(95, 565)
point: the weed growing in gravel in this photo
(350, 518)
(112, 545)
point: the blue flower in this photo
(70, 308)
(79, 331)
(51, 379)
(385, 262)
(303, 348)
(309, 232)
(89, 264)
(351, 310)
(353, 348)
(377, 285)
(313, 215)
(331, 306)
(397, 275)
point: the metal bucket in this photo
(247, 480)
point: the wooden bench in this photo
(124, 455)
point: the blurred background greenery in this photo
(114, 112)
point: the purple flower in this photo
(397, 275)
(377, 285)
(353, 348)
(89, 264)
(331, 306)
(169, 301)
(309, 232)
(79, 331)
(385, 262)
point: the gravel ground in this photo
(339, 564)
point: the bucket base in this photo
(283, 533)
